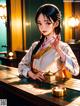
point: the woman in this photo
(49, 53)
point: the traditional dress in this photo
(48, 60)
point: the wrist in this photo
(31, 74)
(62, 59)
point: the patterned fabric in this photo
(50, 60)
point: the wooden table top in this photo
(34, 90)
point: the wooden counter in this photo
(26, 92)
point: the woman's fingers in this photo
(39, 76)
(55, 43)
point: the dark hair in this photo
(52, 13)
(38, 45)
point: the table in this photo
(14, 61)
(9, 61)
(27, 92)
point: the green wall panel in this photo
(3, 33)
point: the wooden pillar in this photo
(16, 25)
(67, 14)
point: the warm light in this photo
(1, 11)
(28, 23)
(65, 22)
(71, 22)
(3, 14)
(11, 54)
(18, 23)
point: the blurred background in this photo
(18, 29)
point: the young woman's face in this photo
(46, 27)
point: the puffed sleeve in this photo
(71, 62)
(25, 64)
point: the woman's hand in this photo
(56, 47)
(56, 42)
(38, 76)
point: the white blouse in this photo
(49, 61)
